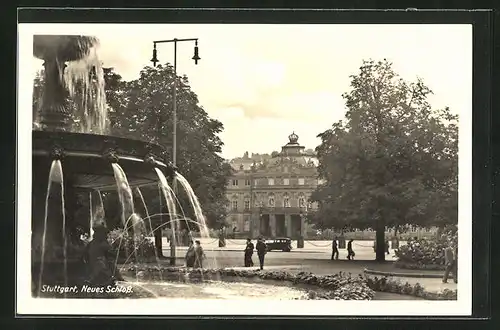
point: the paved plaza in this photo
(314, 257)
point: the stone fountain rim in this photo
(139, 156)
(101, 142)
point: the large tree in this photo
(392, 161)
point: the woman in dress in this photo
(190, 255)
(199, 255)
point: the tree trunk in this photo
(380, 241)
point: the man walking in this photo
(450, 262)
(350, 251)
(199, 255)
(335, 249)
(261, 251)
(248, 253)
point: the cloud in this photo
(264, 81)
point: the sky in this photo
(265, 81)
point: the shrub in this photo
(130, 247)
(384, 284)
(422, 252)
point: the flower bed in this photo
(340, 286)
(406, 265)
(384, 284)
(424, 253)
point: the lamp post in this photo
(154, 59)
(260, 219)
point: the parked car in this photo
(283, 243)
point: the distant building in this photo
(269, 194)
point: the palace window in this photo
(301, 181)
(255, 182)
(286, 201)
(235, 205)
(286, 182)
(247, 205)
(235, 182)
(270, 181)
(247, 182)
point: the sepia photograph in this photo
(293, 169)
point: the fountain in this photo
(77, 160)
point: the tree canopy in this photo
(392, 161)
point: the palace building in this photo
(269, 194)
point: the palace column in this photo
(272, 224)
(302, 225)
(288, 225)
(255, 225)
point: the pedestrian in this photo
(350, 251)
(190, 255)
(335, 249)
(222, 237)
(100, 259)
(261, 251)
(387, 246)
(199, 255)
(450, 263)
(248, 253)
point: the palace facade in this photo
(269, 194)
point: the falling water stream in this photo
(85, 82)
(55, 176)
(91, 222)
(169, 199)
(96, 212)
(193, 200)
(151, 231)
(200, 218)
(127, 203)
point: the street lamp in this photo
(154, 59)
